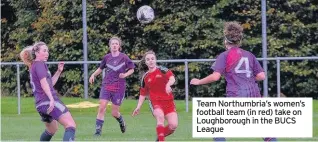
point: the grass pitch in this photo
(28, 127)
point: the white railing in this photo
(186, 72)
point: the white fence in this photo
(186, 73)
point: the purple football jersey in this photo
(240, 68)
(39, 71)
(113, 67)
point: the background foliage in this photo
(183, 29)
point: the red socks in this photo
(168, 131)
(160, 132)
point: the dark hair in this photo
(142, 67)
(233, 32)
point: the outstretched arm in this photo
(57, 73)
(215, 76)
(260, 76)
(140, 102)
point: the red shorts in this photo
(167, 106)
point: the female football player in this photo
(240, 68)
(48, 105)
(156, 83)
(117, 67)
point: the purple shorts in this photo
(116, 96)
(59, 109)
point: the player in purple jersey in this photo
(240, 68)
(48, 105)
(117, 67)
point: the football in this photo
(145, 14)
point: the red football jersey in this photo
(154, 84)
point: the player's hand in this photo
(136, 112)
(60, 66)
(122, 75)
(92, 79)
(168, 89)
(195, 81)
(51, 107)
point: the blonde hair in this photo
(115, 38)
(27, 55)
(233, 32)
(37, 45)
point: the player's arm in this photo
(258, 71)
(215, 76)
(46, 88)
(128, 73)
(57, 73)
(56, 77)
(260, 76)
(169, 83)
(130, 66)
(97, 72)
(143, 92)
(141, 101)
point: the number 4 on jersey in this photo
(247, 67)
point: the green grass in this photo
(28, 127)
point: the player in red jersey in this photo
(156, 83)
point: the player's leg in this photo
(159, 115)
(100, 116)
(69, 125)
(49, 122)
(51, 127)
(104, 98)
(117, 99)
(50, 130)
(172, 119)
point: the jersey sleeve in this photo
(143, 87)
(220, 64)
(169, 74)
(129, 63)
(40, 70)
(257, 68)
(102, 65)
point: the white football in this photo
(145, 14)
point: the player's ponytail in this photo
(26, 56)
(233, 33)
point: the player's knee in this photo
(115, 113)
(52, 127)
(101, 109)
(173, 126)
(71, 123)
(160, 120)
(52, 130)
